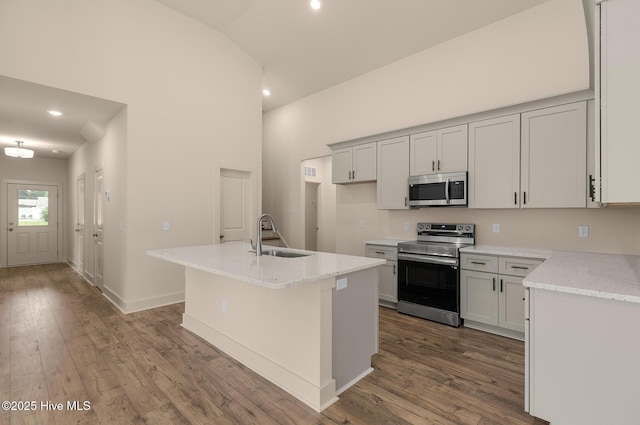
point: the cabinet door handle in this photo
(520, 267)
(433, 166)
(524, 198)
(515, 198)
(438, 165)
(353, 174)
(394, 269)
(501, 285)
(380, 252)
(406, 201)
(494, 283)
(479, 263)
(349, 174)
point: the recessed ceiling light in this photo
(55, 113)
(315, 4)
(266, 92)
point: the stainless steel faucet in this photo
(259, 231)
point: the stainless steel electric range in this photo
(428, 274)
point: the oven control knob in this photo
(467, 228)
(427, 226)
(459, 228)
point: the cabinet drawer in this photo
(517, 266)
(479, 262)
(381, 251)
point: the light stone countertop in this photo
(609, 276)
(508, 251)
(385, 242)
(235, 260)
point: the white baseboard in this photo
(127, 307)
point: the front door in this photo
(32, 224)
(98, 222)
(235, 211)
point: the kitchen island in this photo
(582, 346)
(308, 324)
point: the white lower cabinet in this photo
(388, 279)
(491, 292)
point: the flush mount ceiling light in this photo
(19, 151)
(315, 4)
(55, 113)
(266, 92)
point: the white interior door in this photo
(32, 224)
(235, 206)
(79, 247)
(98, 222)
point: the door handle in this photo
(11, 229)
(221, 236)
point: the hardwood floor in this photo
(61, 341)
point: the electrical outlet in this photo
(341, 283)
(496, 228)
(361, 223)
(224, 306)
(406, 225)
(583, 231)
(165, 226)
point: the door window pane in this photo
(33, 207)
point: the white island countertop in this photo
(235, 260)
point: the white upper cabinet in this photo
(554, 157)
(393, 173)
(619, 95)
(494, 163)
(354, 164)
(439, 151)
(534, 160)
(423, 155)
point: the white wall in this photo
(190, 94)
(41, 170)
(540, 53)
(108, 154)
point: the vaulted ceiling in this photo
(302, 51)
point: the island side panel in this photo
(585, 359)
(282, 334)
(355, 326)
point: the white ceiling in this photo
(302, 51)
(24, 117)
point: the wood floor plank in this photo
(60, 339)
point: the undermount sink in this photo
(284, 254)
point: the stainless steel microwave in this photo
(438, 190)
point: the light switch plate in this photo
(165, 226)
(496, 228)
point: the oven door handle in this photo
(428, 259)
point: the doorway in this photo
(311, 216)
(98, 228)
(79, 247)
(32, 218)
(235, 205)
